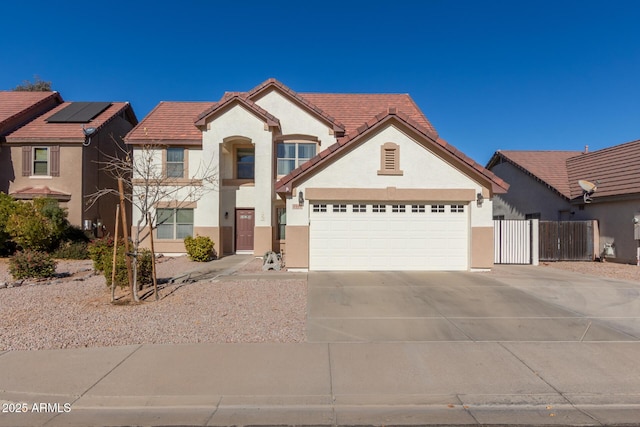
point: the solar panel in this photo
(79, 112)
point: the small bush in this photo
(71, 250)
(199, 249)
(101, 251)
(102, 255)
(31, 264)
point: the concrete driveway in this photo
(512, 303)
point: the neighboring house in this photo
(59, 154)
(335, 181)
(16, 109)
(544, 184)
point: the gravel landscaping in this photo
(611, 270)
(74, 311)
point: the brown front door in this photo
(244, 229)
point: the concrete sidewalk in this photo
(445, 383)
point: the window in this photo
(417, 208)
(398, 208)
(40, 161)
(319, 208)
(359, 208)
(437, 208)
(390, 159)
(379, 208)
(498, 217)
(457, 208)
(535, 215)
(175, 162)
(245, 163)
(281, 213)
(293, 154)
(339, 208)
(174, 224)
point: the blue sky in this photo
(488, 74)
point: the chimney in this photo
(586, 149)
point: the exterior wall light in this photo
(300, 198)
(479, 199)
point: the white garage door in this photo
(358, 236)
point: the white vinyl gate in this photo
(515, 241)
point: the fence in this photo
(515, 241)
(566, 240)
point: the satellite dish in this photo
(588, 188)
(87, 133)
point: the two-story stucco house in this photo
(335, 181)
(59, 154)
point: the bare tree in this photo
(147, 185)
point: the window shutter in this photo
(26, 161)
(55, 161)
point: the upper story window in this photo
(293, 154)
(41, 161)
(175, 162)
(390, 159)
(245, 163)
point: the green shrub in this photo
(39, 225)
(199, 249)
(102, 250)
(31, 264)
(71, 250)
(7, 208)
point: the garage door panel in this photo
(389, 240)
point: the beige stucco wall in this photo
(615, 221)
(297, 249)
(482, 247)
(69, 181)
(526, 196)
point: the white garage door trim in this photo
(389, 236)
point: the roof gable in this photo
(437, 145)
(233, 99)
(547, 167)
(272, 84)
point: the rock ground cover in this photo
(74, 310)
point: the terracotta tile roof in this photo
(40, 130)
(616, 168)
(258, 91)
(549, 167)
(16, 108)
(170, 121)
(354, 109)
(326, 156)
(29, 193)
(241, 98)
